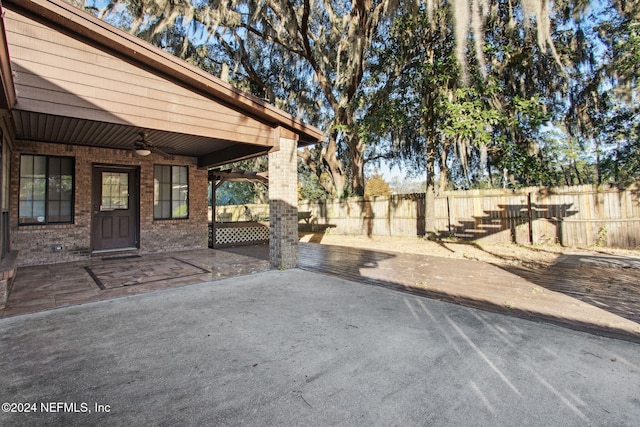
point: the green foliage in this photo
(235, 193)
(425, 119)
(621, 163)
(561, 160)
(602, 236)
(239, 193)
(414, 70)
(617, 82)
(385, 79)
(309, 184)
(180, 212)
(468, 116)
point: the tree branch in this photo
(325, 83)
(273, 39)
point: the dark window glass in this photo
(46, 189)
(170, 192)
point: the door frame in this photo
(134, 202)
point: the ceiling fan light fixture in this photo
(143, 152)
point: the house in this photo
(106, 142)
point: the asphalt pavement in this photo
(300, 348)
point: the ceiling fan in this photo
(143, 147)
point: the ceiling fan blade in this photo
(161, 152)
(142, 143)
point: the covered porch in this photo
(120, 135)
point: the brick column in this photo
(283, 205)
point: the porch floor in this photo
(38, 288)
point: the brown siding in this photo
(60, 75)
(35, 243)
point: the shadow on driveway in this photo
(300, 348)
(611, 283)
(539, 296)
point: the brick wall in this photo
(35, 243)
(283, 205)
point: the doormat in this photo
(120, 257)
(136, 271)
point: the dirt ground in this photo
(531, 256)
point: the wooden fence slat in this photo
(573, 216)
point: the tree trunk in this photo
(430, 196)
(345, 120)
(566, 175)
(575, 168)
(443, 181)
(333, 181)
(598, 171)
(334, 167)
(357, 165)
(616, 170)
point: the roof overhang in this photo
(218, 176)
(211, 150)
(7, 89)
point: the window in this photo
(46, 190)
(115, 190)
(5, 175)
(170, 192)
(4, 224)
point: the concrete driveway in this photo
(300, 348)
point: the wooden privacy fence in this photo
(584, 215)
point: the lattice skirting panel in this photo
(235, 236)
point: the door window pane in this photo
(115, 190)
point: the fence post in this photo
(530, 213)
(449, 217)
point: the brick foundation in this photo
(7, 274)
(36, 242)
